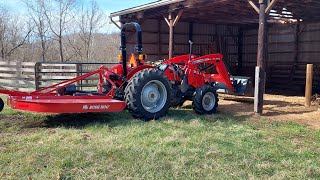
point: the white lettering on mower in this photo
(95, 107)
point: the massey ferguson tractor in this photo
(147, 91)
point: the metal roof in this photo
(144, 7)
(226, 11)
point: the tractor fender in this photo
(137, 69)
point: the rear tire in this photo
(205, 100)
(148, 95)
(1, 104)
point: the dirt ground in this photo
(277, 108)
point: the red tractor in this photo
(147, 91)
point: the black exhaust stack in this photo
(123, 46)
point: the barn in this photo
(280, 37)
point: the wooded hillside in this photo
(57, 30)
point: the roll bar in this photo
(123, 46)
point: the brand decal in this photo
(95, 107)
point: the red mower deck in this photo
(72, 104)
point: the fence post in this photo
(19, 74)
(79, 73)
(36, 75)
(308, 92)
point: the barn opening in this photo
(231, 28)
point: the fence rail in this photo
(17, 75)
(29, 76)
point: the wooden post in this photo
(170, 35)
(81, 73)
(172, 22)
(308, 92)
(36, 75)
(78, 74)
(159, 40)
(260, 77)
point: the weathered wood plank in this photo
(17, 88)
(58, 70)
(3, 63)
(7, 75)
(7, 69)
(57, 65)
(43, 77)
(17, 82)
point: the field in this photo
(232, 144)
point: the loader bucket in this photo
(243, 86)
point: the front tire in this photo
(205, 100)
(148, 94)
(1, 104)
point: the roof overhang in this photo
(224, 11)
(145, 7)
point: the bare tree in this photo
(36, 11)
(12, 36)
(58, 14)
(88, 23)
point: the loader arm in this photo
(222, 75)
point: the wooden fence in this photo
(17, 75)
(29, 76)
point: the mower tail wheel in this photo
(205, 100)
(148, 94)
(1, 104)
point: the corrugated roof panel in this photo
(145, 7)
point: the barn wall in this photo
(207, 39)
(285, 67)
(284, 71)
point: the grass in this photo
(181, 146)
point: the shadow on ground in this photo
(82, 120)
(272, 108)
(119, 119)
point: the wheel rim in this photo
(208, 101)
(153, 96)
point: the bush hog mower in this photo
(146, 91)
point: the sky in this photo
(108, 6)
(116, 5)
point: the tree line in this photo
(57, 30)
